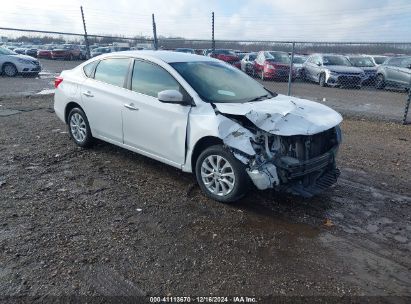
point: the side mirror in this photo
(170, 96)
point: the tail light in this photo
(57, 81)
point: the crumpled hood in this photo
(285, 115)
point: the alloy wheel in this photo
(217, 175)
(78, 127)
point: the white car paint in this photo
(169, 132)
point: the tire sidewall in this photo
(89, 138)
(242, 181)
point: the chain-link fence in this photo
(358, 78)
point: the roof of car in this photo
(166, 56)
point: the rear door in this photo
(103, 97)
(155, 128)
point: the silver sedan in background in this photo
(12, 64)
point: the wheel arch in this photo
(8, 62)
(70, 106)
(202, 144)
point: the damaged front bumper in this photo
(305, 178)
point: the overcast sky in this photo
(317, 20)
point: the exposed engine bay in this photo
(302, 164)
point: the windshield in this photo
(379, 59)
(219, 82)
(336, 60)
(361, 62)
(4, 51)
(278, 57)
(298, 60)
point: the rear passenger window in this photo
(149, 79)
(89, 68)
(112, 71)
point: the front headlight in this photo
(271, 67)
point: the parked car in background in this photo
(273, 65)
(99, 51)
(298, 62)
(12, 64)
(203, 116)
(227, 56)
(119, 48)
(379, 59)
(31, 51)
(241, 55)
(207, 52)
(395, 72)
(247, 63)
(185, 50)
(365, 63)
(332, 70)
(45, 51)
(83, 52)
(20, 50)
(67, 52)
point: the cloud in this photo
(320, 20)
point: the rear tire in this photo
(79, 128)
(220, 175)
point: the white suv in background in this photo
(12, 64)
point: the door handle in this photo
(88, 94)
(131, 107)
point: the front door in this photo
(156, 128)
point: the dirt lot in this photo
(105, 221)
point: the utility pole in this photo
(155, 33)
(212, 32)
(85, 33)
(290, 73)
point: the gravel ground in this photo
(105, 221)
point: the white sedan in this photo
(203, 116)
(12, 64)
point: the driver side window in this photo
(150, 79)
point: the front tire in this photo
(79, 128)
(220, 175)
(10, 70)
(380, 82)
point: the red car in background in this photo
(227, 56)
(273, 65)
(66, 51)
(45, 51)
